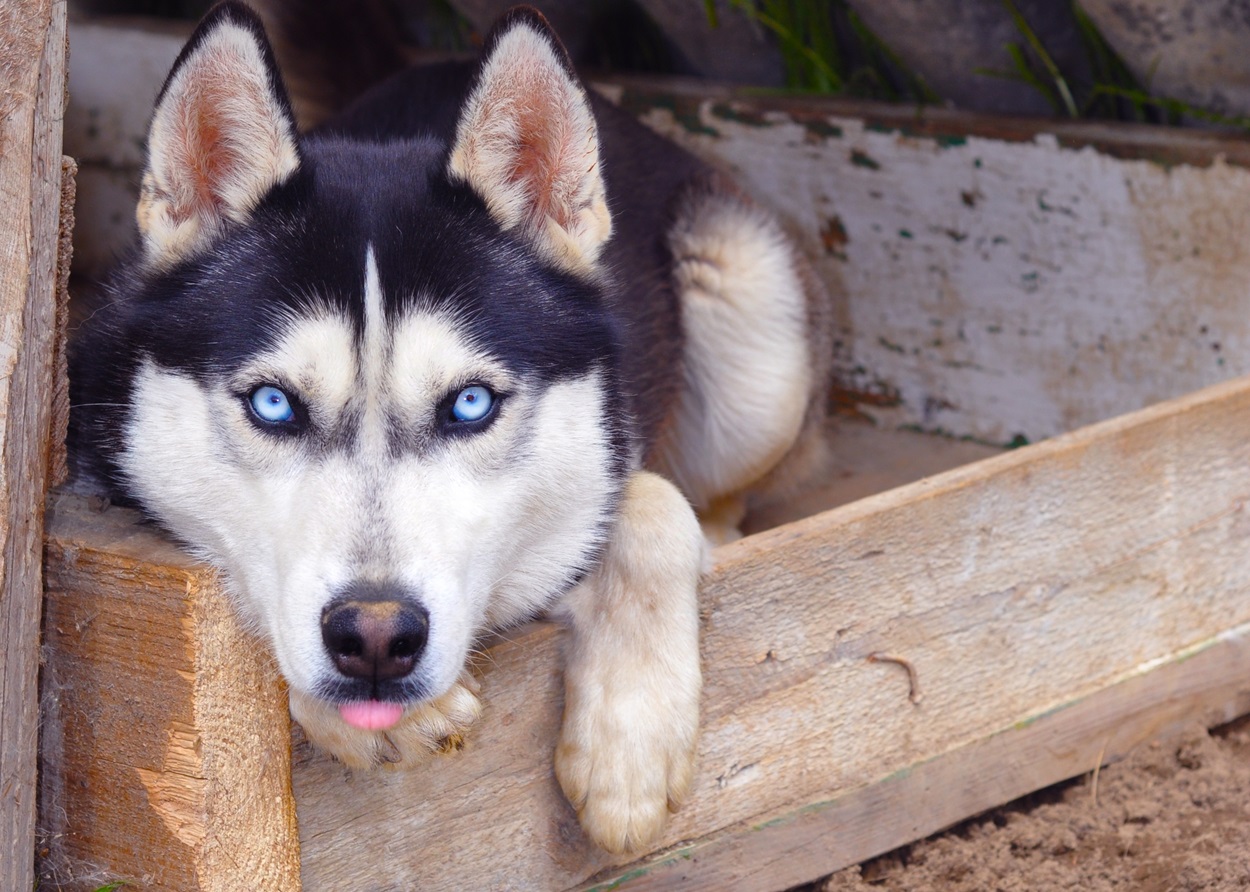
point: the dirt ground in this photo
(1171, 817)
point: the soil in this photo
(1172, 817)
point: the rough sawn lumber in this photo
(32, 72)
(166, 760)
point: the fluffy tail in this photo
(331, 51)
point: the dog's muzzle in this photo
(374, 633)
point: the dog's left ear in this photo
(528, 145)
(221, 137)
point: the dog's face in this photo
(371, 382)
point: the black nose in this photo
(379, 640)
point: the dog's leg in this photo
(425, 729)
(632, 680)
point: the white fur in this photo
(219, 141)
(632, 679)
(747, 370)
(484, 529)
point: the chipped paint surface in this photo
(1000, 288)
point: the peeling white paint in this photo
(1004, 288)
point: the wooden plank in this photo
(167, 760)
(32, 70)
(115, 71)
(58, 459)
(1208, 684)
(1014, 586)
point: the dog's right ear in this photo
(527, 143)
(222, 136)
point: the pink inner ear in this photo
(202, 152)
(543, 161)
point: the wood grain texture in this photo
(1208, 684)
(32, 71)
(58, 460)
(1014, 586)
(169, 761)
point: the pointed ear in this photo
(221, 137)
(528, 145)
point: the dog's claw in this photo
(624, 772)
(426, 729)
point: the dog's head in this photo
(373, 382)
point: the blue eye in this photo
(472, 403)
(271, 405)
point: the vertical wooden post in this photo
(32, 100)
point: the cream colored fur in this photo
(748, 370)
(218, 142)
(527, 143)
(434, 726)
(632, 679)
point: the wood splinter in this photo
(913, 679)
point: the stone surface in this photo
(947, 42)
(1191, 50)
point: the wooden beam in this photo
(1045, 578)
(1207, 684)
(32, 70)
(167, 760)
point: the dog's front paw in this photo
(626, 754)
(437, 726)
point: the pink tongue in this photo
(372, 715)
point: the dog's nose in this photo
(375, 640)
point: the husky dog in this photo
(475, 350)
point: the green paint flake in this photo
(684, 111)
(950, 141)
(822, 129)
(621, 880)
(1017, 441)
(905, 233)
(685, 854)
(861, 158)
(727, 112)
(891, 346)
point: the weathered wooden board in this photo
(1043, 578)
(166, 759)
(1002, 278)
(32, 70)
